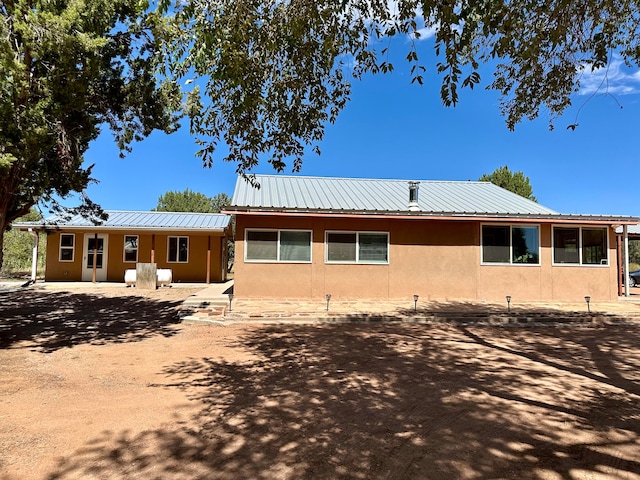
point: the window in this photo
(565, 245)
(510, 244)
(131, 248)
(580, 246)
(594, 246)
(357, 247)
(178, 249)
(278, 246)
(67, 244)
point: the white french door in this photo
(95, 246)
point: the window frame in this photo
(178, 237)
(357, 261)
(66, 247)
(124, 249)
(278, 232)
(511, 226)
(580, 262)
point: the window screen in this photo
(278, 245)
(373, 247)
(341, 247)
(295, 246)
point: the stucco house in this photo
(305, 237)
(192, 245)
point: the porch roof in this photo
(135, 220)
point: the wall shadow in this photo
(395, 402)
(48, 321)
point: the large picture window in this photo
(67, 246)
(511, 244)
(580, 246)
(278, 246)
(131, 248)
(357, 247)
(178, 251)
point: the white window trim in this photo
(357, 234)
(177, 260)
(511, 262)
(579, 264)
(72, 248)
(124, 249)
(278, 231)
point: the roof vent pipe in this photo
(413, 197)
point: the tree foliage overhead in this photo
(189, 201)
(273, 72)
(68, 67)
(515, 182)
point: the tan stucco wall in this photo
(195, 270)
(434, 259)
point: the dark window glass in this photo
(178, 249)
(183, 249)
(131, 248)
(525, 244)
(565, 245)
(66, 240)
(495, 244)
(173, 249)
(594, 246)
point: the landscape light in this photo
(415, 303)
(328, 297)
(230, 300)
(588, 299)
(508, 297)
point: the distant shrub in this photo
(18, 250)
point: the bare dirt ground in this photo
(108, 384)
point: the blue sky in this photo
(392, 129)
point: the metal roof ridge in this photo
(320, 177)
(164, 213)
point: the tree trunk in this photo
(1, 244)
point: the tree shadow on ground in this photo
(397, 402)
(48, 321)
(457, 312)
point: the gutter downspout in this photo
(625, 236)
(34, 257)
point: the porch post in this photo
(153, 248)
(625, 236)
(34, 257)
(208, 259)
(619, 264)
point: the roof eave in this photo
(556, 217)
(119, 228)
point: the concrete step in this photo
(204, 302)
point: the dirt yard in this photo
(97, 385)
